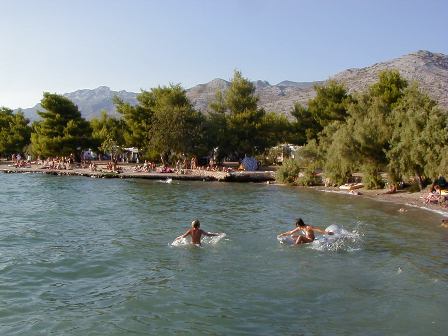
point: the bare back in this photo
(309, 232)
(196, 235)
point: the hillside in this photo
(429, 69)
(90, 102)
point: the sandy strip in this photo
(127, 171)
(401, 197)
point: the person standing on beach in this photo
(308, 230)
(196, 233)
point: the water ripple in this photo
(93, 256)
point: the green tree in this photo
(107, 130)
(14, 131)
(370, 115)
(302, 169)
(240, 96)
(330, 103)
(274, 129)
(176, 127)
(62, 130)
(305, 126)
(371, 134)
(243, 119)
(389, 87)
(217, 135)
(137, 120)
(339, 155)
(420, 137)
(444, 161)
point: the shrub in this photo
(288, 172)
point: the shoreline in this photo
(128, 173)
(401, 197)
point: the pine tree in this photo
(14, 131)
(62, 130)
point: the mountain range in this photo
(429, 69)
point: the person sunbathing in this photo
(392, 190)
(434, 196)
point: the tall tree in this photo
(240, 96)
(14, 131)
(338, 151)
(371, 114)
(217, 135)
(420, 136)
(305, 127)
(243, 118)
(137, 120)
(330, 103)
(274, 129)
(389, 87)
(177, 128)
(62, 130)
(107, 132)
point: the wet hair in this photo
(195, 223)
(299, 222)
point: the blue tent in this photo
(249, 163)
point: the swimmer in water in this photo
(196, 233)
(308, 230)
(444, 223)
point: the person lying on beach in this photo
(308, 230)
(392, 190)
(440, 182)
(434, 196)
(196, 233)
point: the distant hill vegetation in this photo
(429, 69)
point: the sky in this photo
(61, 46)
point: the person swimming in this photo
(308, 230)
(196, 233)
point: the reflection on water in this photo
(91, 256)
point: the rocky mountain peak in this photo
(429, 69)
(260, 84)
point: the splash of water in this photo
(212, 240)
(340, 240)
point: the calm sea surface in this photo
(82, 256)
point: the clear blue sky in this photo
(61, 45)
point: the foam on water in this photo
(345, 192)
(168, 180)
(213, 240)
(340, 240)
(440, 212)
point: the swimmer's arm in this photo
(209, 234)
(186, 234)
(322, 231)
(287, 233)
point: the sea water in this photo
(82, 256)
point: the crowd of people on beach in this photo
(19, 161)
(59, 162)
(181, 167)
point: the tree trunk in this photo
(419, 181)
